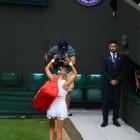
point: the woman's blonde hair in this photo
(62, 71)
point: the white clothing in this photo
(58, 109)
(113, 55)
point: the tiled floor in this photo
(88, 124)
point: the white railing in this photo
(132, 3)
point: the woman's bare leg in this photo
(51, 128)
(59, 127)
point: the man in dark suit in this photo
(112, 71)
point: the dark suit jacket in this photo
(110, 72)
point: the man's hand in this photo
(67, 61)
(137, 74)
(114, 82)
(55, 56)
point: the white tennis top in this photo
(58, 109)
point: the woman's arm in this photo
(73, 60)
(72, 77)
(48, 67)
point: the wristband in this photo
(52, 60)
(70, 63)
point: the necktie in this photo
(114, 57)
(114, 61)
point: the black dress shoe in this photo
(70, 114)
(116, 123)
(104, 124)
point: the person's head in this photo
(113, 46)
(62, 45)
(62, 71)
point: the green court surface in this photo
(24, 129)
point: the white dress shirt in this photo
(113, 55)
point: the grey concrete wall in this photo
(26, 32)
(132, 114)
(129, 24)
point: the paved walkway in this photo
(65, 135)
(88, 122)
